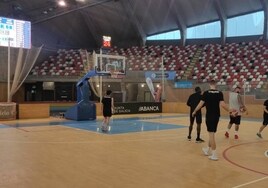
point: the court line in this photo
(232, 162)
(266, 153)
(251, 182)
(21, 129)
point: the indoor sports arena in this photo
(133, 93)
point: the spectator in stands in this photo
(192, 102)
(265, 118)
(212, 99)
(107, 109)
(237, 105)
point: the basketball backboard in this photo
(109, 64)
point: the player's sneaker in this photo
(205, 151)
(236, 136)
(189, 138)
(259, 135)
(104, 128)
(226, 134)
(213, 157)
(199, 140)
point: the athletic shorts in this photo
(235, 120)
(197, 118)
(265, 120)
(212, 123)
(107, 113)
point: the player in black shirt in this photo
(107, 109)
(265, 118)
(192, 102)
(212, 99)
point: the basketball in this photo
(242, 109)
(233, 113)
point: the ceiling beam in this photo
(133, 19)
(148, 13)
(265, 28)
(92, 27)
(223, 19)
(179, 20)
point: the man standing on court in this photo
(212, 99)
(192, 102)
(107, 109)
(265, 118)
(235, 103)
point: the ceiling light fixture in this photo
(62, 3)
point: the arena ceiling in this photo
(82, 24)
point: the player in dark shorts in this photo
(107, 109)
(235, 103)
(212, 99)
(192, 102)
(265, 118)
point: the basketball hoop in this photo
(105, 64)
(115, 74)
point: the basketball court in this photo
(145, 150)
(150, 55)
(138, 151)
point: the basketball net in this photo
(115, 74)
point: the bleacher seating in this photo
(66, 63)
(147, 58)
(234, 63)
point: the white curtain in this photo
(22, 62)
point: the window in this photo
(250, 24)
(209, 30)
(173, 35)
(246, 25)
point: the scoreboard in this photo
(106, 41)
(15, 33)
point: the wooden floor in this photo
(63, 157)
